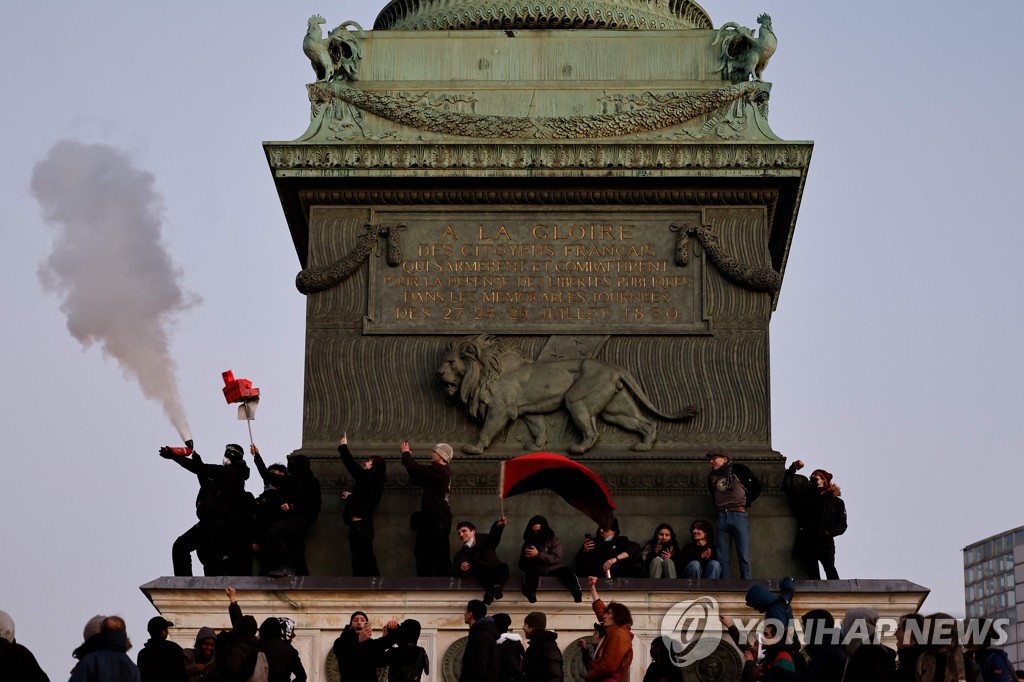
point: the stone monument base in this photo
(321, 607)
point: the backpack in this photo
(406, 668)
(261, 673)
(996, 667)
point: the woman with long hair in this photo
(661, 553)
(698, 558)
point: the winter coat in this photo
(543, 659)
(820, 514)
(736, 471)
(106, 660)
(614, 654)
(368, 488)
(221, 487)
(161, 660)
(18, 663)
(358, 661)
(480, 660)
(436, 480)
(941, 665)
(482, 554)
(510, 657)
(592, 562)
(282, 661)
(406, 663)
(303, 490)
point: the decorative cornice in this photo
(541, 197)
(297, 159)
(452, 15)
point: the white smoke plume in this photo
(119, 287)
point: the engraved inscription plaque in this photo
(535, 271)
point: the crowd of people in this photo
(233, 526)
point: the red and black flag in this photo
(573, 482)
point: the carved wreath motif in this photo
(754, 277)
(667, 110)
(312, 280)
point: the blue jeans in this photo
(734, 526)
(713, 571)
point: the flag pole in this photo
(248, 421)
(501, 488)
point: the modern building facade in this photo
(994, 585)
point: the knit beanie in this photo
(536, 620)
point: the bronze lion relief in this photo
(497, 385)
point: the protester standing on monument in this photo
(224, 508)
(699, 558)
(541, 554)
(16, 661)
(614, 654)
(285, 544)
(267, 508)
(361, 502)
(543, 659)
(733, 488)
(609, 554)
(199, 664)
(661, 553)
(478, 558)
(480, 659)
(103, 657)
(820, 517)
(160, 659)
(433, 522)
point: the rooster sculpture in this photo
(336, 56)
(745, 55)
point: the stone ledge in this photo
(321, 607)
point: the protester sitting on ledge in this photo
(478, 558)
(541, 554)
(699, 557)
(661, 553)
(609, 554)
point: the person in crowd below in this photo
(942, 659)
(238, 654)
(609, 554)
(663, 668)
(433, 522)
(589, 649)
(733, 489)
(909, 645)
(541, 554)
(104, 658)
(868, 662)
(826, 655)
(358, 654)
(478, 558)
(820, 517)
(267, 508)
(615, 653)
(406, 661)
(542, 661)
(480, 659)
(283, 662)
(160, 659)
(660, 554)
(781, 661)
(510, 650)
(991, 663)
(284, 550)
(221, 538)
(361, 503)
(698, 557)
(199, 665)
(16, 661)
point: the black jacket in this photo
(482, 554)
(543, 661)
(820, 515)
(751, 483)
(18, 663)
(302, 492)
(161, 660)
(480, 660)
(221, 487)
(436, 480)
(282, 661)
(592, 562)
(368, 488)
(510, 659)
(358, 661)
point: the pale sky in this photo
(896, 360)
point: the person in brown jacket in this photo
(615, 653)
